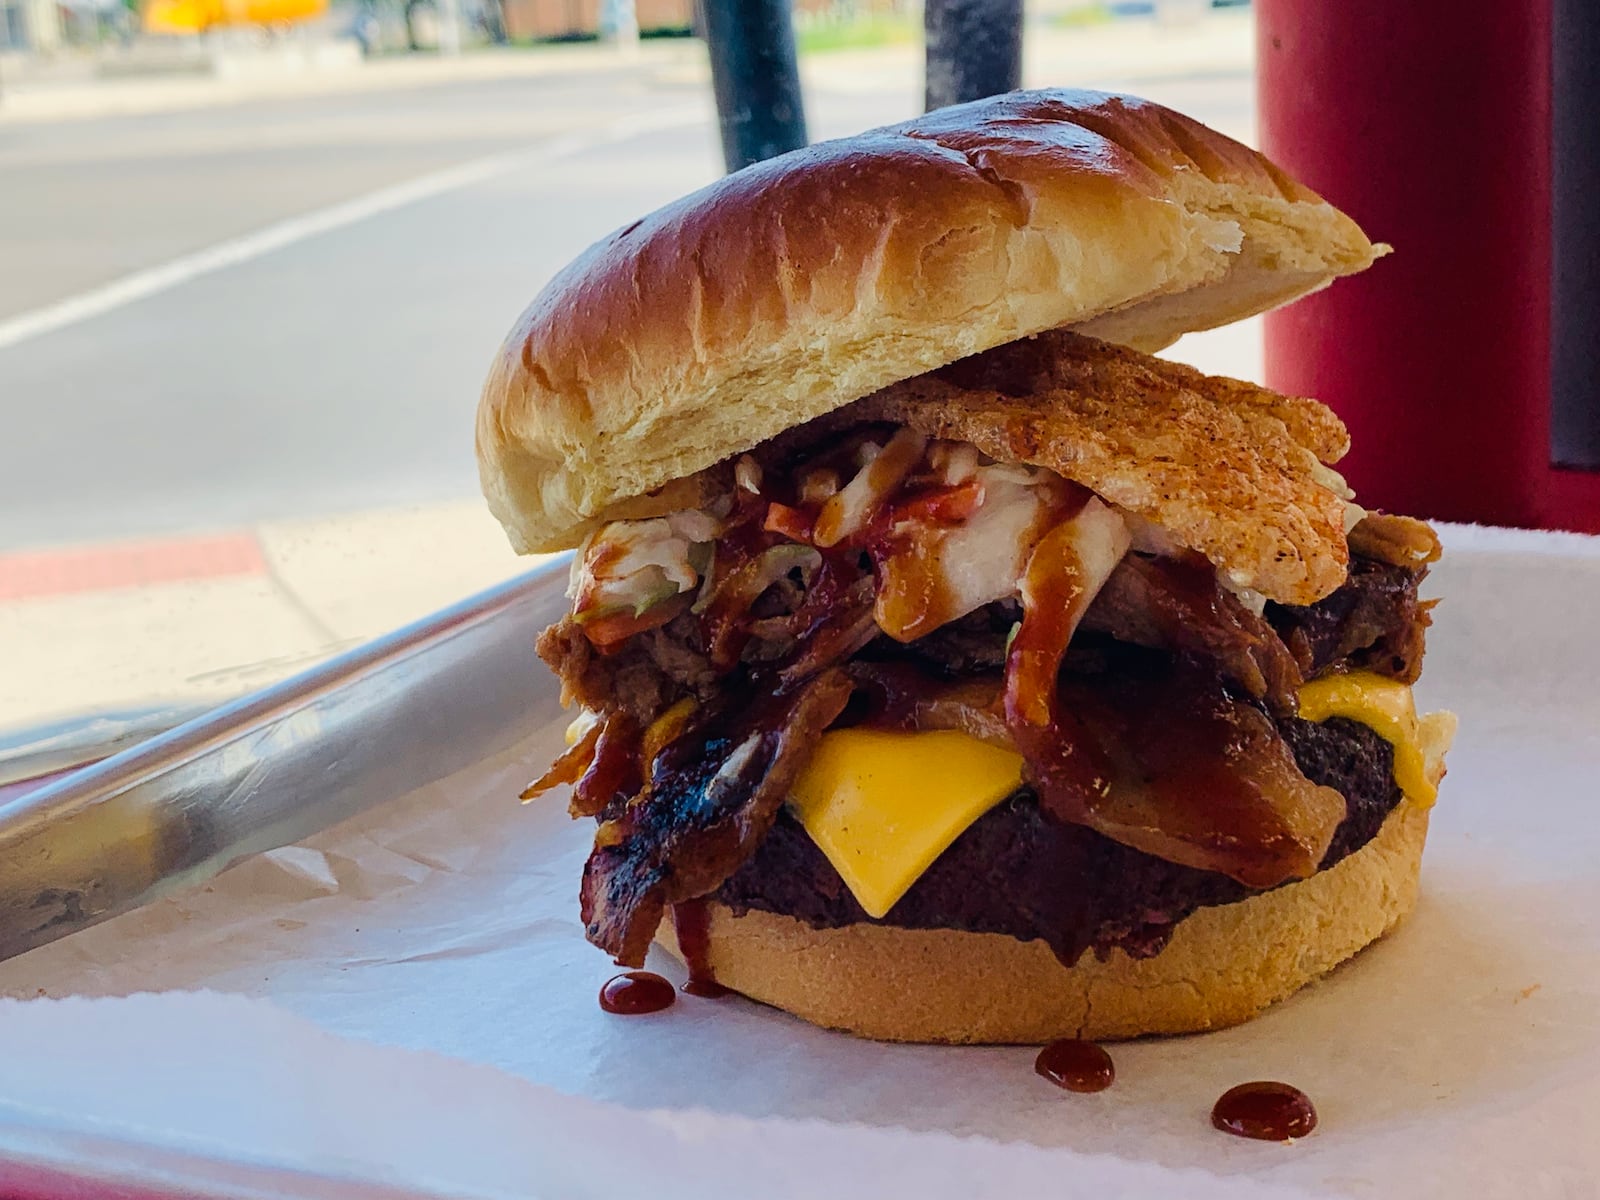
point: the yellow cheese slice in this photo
(1386, 706)
(882, 806)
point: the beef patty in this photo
(1018, 873)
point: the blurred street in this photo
(254, 314)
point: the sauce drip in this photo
(692, 922)
(1269, 1112)
(634, 993)
(1076, 1065)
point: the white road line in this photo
(141, 284)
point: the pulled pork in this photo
(909, 583)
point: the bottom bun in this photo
(1223, 965)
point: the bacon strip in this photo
(712, 796)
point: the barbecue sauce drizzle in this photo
(1076, 1065)
(1063, 761)
(1266, 1111)
(635, 993)
(691, 920)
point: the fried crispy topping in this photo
(1226, 468)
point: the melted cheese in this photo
(882, 806)
(580, 725)
(1386, 706)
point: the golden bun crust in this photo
(791, 288)
(1223, 966)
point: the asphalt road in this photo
(334, 369)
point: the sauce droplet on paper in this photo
(1269, 1112)
(692, 923)
(634, 993)
(1076, 1065)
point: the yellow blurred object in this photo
(196, 16)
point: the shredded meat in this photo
(1375, 622)
(712, 796)
(643, 676)
(1177, 604)
(976, 644)
(1403, 541)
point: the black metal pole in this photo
(756, 79)
(974, 49)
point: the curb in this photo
(74, 570)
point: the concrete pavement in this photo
(69, 95)
(270, 461)
(209, 616)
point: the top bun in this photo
(792, 287)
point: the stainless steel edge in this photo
(27, 753)
(278, 765)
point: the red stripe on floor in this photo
(80, 569)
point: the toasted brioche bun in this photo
(797, 285)
(1223, 966)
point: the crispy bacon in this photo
(601, 764)
(712, 795)
(569, 767)
(613, 768)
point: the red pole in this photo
(1429, 122)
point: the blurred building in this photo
(29, 25)
(581, 18)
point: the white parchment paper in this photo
(1461, 1056)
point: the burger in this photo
(948, 668)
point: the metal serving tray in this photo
(278, 765)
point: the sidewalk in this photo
(71, 91)
(209, 616)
